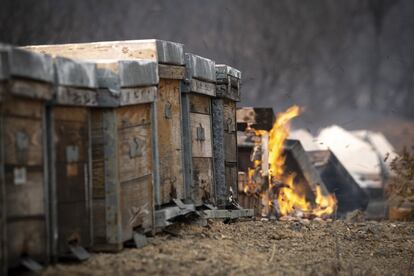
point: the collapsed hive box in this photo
(27, 85)
(123, 132)
(225, 133)
(169, 179)
(69, 142)
(198, 91)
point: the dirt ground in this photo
(254, 247)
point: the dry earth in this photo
(254, 247)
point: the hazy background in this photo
(347, 62)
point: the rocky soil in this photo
(255, 247)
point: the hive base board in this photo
(163, 216)
(226, 214)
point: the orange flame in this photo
(289, 196)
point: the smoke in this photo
(355, 55)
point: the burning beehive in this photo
(282, 188)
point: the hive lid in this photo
(223, 70)
(161, 51)
(138, 73)
(200, 68)
(26, 64)
(118, 74)
(75, 73)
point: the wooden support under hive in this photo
(225, 133)
(198, 91)
(169, 179)
(70, 160)
(27, 84)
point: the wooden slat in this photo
(229, 119)
(171, 72)
(169, 141)
(31, 89)
(231, 178)
(136, 206)
(134, 152)
(27, 237)
(200, 104)
(203, 184)
(129, 116)
(201, 144)
(230, 147)
(23, 141)
(26, 199)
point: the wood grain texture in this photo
(171, 72)
(169, 141)
(203, 183)
(30, 89)
(229, 119)
(231, 178)
(28, 237)
(200, 104)
(201, 135)
(72, 140)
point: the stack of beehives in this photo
(97, 139)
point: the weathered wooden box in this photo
(198, 90)
(28, 85)
(3, 79)
(123, 132)
(225, 133)
(169, 180)
(69, 142)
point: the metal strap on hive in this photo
(200, 75)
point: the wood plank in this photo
(138, 95)
(229, 117)
(136, 206)
(130, 116)
(98, 156)
(31, 89)
(76, 96)
(23, 141)
(171, 72)
(23, 108)
(200, 104)
(73, 225)
(203, 184)
(134, 152)
(230, 147)
(201, 135)
(231, 178)
(27, 237)
(202, 87)
(169, 141)
(158, 50)
(25, 199)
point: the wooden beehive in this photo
(169, 180)
(25, 207)
(225, 133)
(3, 79)
(123, 132)
(198, 90)
(69, 125)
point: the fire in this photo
(279, 191)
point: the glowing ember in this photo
(278, 189)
